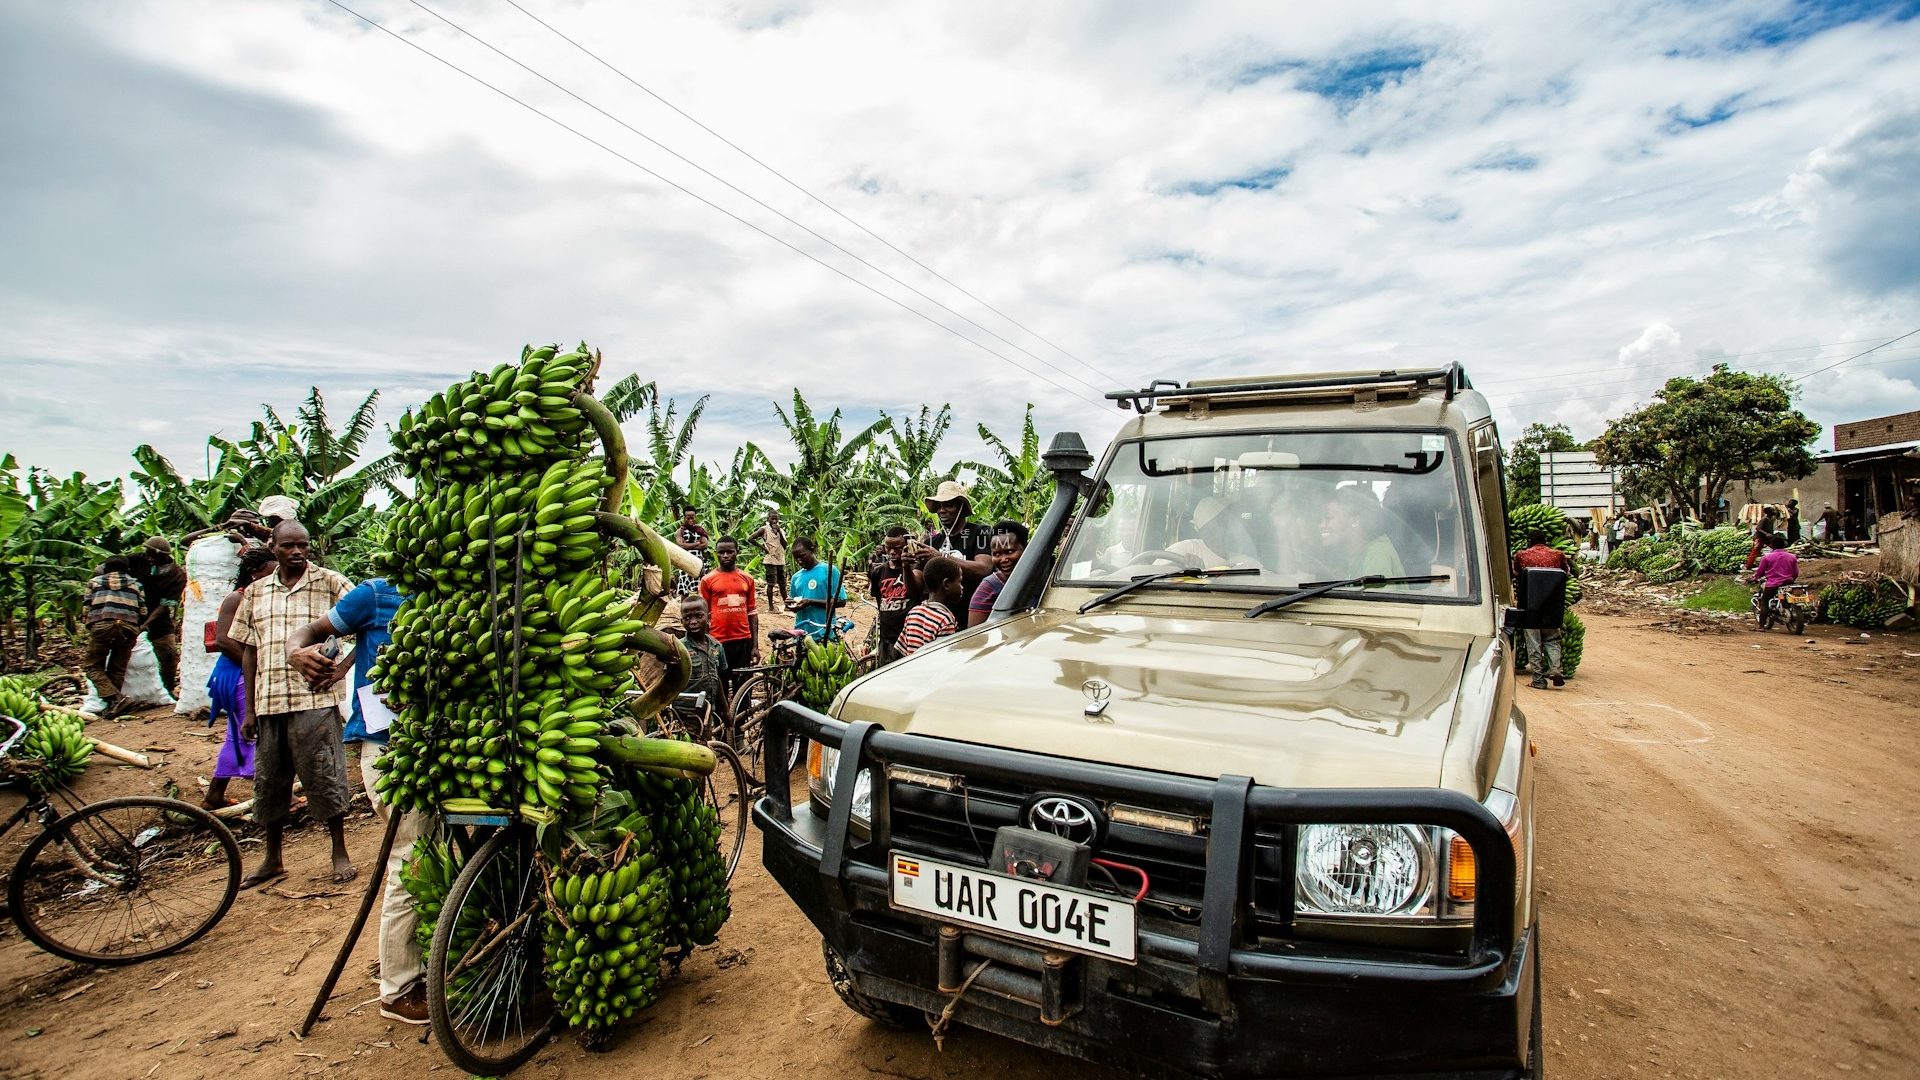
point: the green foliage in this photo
(53, 533)
(1701, 435)
(308, 461)
(1523, 460)
(1721, 594)
(1017, 485)
(839, 488)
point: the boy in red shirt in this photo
(729, 594)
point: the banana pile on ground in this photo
(824, 671)
(55, 748)
(509, 671)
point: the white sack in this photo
(211, 565)
(140, 687)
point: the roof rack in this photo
(1449, 380)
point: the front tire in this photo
(124, 880)
(881, 1012)
(492, 1013)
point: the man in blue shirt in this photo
(366, 613)
(811, 588)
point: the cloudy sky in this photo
(209, 204)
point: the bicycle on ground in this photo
(117, 881)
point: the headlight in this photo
(1363, 870)
(823, 763)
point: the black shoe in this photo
(1557, 679)
(1539, 682)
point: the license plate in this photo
(1074, 919)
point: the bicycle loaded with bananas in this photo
(576, 852)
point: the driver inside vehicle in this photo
(1220, 538)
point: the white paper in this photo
(373, 710)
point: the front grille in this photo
(959, 826)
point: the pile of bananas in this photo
(824, 671)
(511, 416)
(508, 672)
(1549, 520)
(606, 939)
(60, 745)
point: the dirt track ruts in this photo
(1727, 888)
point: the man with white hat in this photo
(965, 542)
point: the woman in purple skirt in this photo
(227, 686)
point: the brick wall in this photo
(1901, 427)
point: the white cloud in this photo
(233, 201)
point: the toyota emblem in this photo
(1067, 817)
(1096, 689)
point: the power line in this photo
(750, 197)
(695, 195)
(1639, 389)
(1111, 379)
(1677, 363)
(1863, 352)
(1631, 378)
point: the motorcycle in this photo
(1793, 605)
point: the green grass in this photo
(1721, 594)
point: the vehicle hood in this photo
(1289, 702)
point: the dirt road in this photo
(1727, 890)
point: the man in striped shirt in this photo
(934, 617)
(114, 610)
(295, 723)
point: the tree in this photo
(52, 533)
(1018, 486)
(307, 461)
(912, 444)
(1523, 460)
(833, 484)
(1701, 435)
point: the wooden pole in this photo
(375, 881)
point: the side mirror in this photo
(1513, 619)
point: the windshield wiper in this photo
(1115, 594)
(1311, 589)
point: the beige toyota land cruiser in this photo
(1233, 782)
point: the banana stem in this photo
(612, 440)
(656, 549)
(652, 754)
(679, 670)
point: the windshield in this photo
(1299, 507)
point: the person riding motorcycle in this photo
(1774, 571)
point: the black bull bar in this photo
(1234, 805)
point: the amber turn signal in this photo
(1460, 871)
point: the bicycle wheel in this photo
(486, 988)
(125, 880)
(751, 703)
(729, 790)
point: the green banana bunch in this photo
(605, 941)
(512, 417)
(1549, 520)
(428, 876)
(824, 671)
(59, 743)
(19, 702)
(688, 842)
(1573, 640)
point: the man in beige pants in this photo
(365, 613)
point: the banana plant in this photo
(52, 534)
(831, 480)
(1018, 485)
